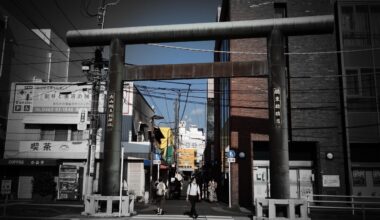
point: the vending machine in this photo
(70, 182)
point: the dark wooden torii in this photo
(273, 29)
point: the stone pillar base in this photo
(271, 209)
(108, 206)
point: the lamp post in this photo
(152, 140)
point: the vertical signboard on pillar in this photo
(127, 98)
(277, 106)
(110, 109)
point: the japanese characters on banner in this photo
(53, 98)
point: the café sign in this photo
(53, 146)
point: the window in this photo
(54, 132)
(375, 21)
(47, 133)
(352, 82)
(355, 26)
(360, 82)
(76, 135)
(359, 177)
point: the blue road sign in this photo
(231, 154)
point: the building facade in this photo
(192, 143)
(333, 103)
(48, 132)
(27, 54)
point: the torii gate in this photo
(274, 29)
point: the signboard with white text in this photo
(127, 98)
(330, 181)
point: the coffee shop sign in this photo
(54, 146)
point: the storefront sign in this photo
(28, 162)
(331, 181)
(53, 146)
(186, 159)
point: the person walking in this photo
(212, 185)
(193, 194)
(160, 196)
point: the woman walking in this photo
(212, 185)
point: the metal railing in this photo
(342, 202)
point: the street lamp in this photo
(152, 139)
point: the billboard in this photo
(186, 157)
(53, 98)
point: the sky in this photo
(64, 15)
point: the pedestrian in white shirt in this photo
(193, 194)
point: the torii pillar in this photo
(273, 29)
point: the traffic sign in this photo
(6, 187)
(156, 156)
(156, 161)
(231, 154)
(231, 160)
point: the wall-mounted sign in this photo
(28, 162)
(53, 146)
(331, 181)
(82, 119)
(6, 187)
(277, 106)
(127, 98)
(52, 98)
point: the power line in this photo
(36, 26)
(260, 53)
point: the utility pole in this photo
(95, 77)
(176, 128)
